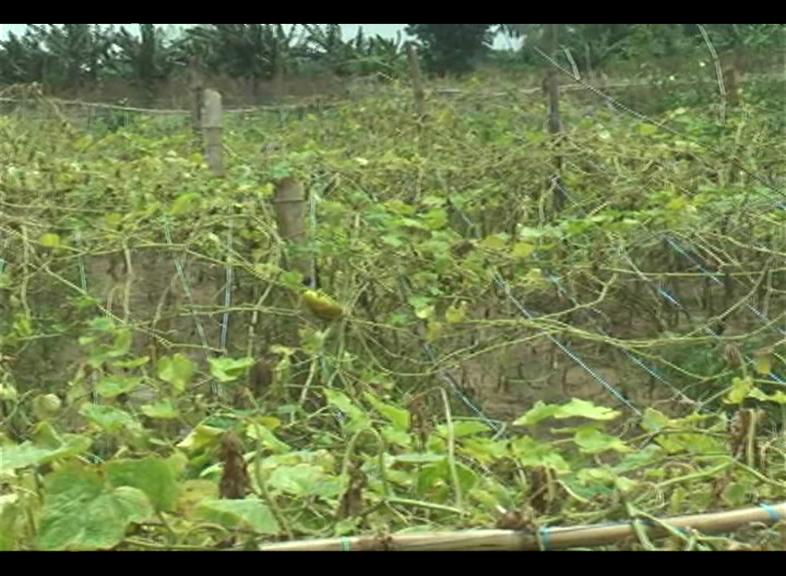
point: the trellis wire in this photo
(679, 249)
(189, 294)
(83, 285)
(313, 199)
(669, 240)
(229, 273)
(501, 283)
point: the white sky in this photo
(349, 30)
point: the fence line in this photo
(572, 87)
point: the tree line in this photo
(74, 55)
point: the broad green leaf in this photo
(357, 416)
(81, 513)
(304, 480)
(10, 514)
(495, 242)
(281, 171)
(131, 362)
(15, 457)
(340, 401)
(102, 324)
(177, 462)
(110, 419)
(186, 203)
(530, 452)
(640, 458)
(418, 457)
(177, 370)
(113, 385)
(395, 436)
(152, 475)
(647, 129)
(779, 397)
(247, 514)
(436, 219)
(584, 409)
(398, 416)
(122, 344)
(736, 494)
(200, 437)
(522, 250)
(654, 420)
(740, 388)
(574, 408)
(593, 441)
(229, 369)
(531, 233)
(392, 240)
(267, 439)
(161, 410)
(484, 449)
(194, 492)
(464, 428)
(758, 394)
(540, 411)
(626, 485)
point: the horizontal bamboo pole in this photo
(545, 539)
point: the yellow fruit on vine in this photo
(322, 305)
(46, 406)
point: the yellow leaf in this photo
(762, 364)
(425, 312)
(200, 436)
(456, 314)
(50, 240)
(494, 242)
(433, 331)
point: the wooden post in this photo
(417, 80)
(731, 80)
(290, 203)
(212, 124)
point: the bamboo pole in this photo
(212, 128)
(544, 539)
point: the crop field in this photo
(598, 346)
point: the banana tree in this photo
(377, 55)
(326, 46)
(145, 59)
(79, 52)
(22, 59)
(253, 51)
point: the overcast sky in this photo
(349, 30)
